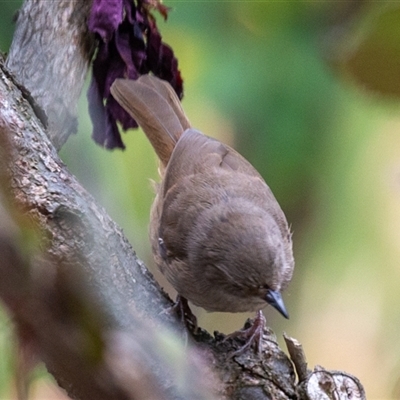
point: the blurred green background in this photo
(307, 91)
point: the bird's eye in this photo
(163, 248)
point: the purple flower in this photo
(105, 17)
(129, 45)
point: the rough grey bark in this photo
(50, 51)
(81, 241)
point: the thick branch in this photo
(70, 219)
(58, 319)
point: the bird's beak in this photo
(275, 300)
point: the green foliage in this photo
(8, 11)
(371, 54)
(7, 351)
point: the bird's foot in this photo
(252, 335)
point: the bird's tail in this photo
(156, 108)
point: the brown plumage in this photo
(217, 232)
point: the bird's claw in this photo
(252, 335)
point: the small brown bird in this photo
(217, 232)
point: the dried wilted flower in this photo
(129, 45)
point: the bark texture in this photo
(49, 56)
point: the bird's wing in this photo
(196, 153)
(203, 172)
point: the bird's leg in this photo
(183, 311)
(252, 335)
